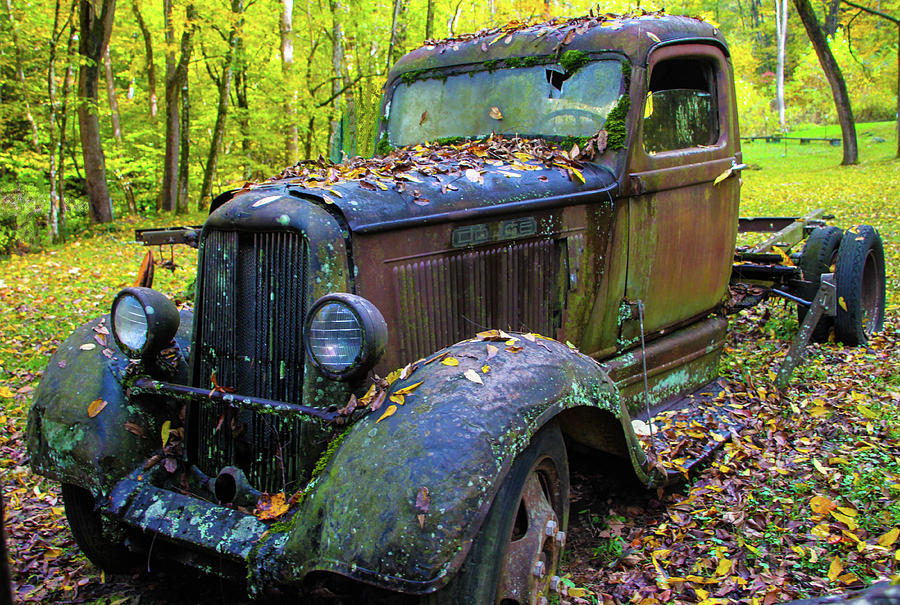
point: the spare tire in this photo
(860, 285)
(818, 257)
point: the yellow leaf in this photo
(496, 113)
(724, 567)
(821, 531)
(577, 174)
(835, 569)
(848, 578)
(847, 511)
(388, 412)
(822, 505)
(409, 389)
(485, 369)
(398, 399)
(577, 593)
(887, 539)
(473, 376)
(822, 469)
(842, 303)
(450, 361)
(271, 507)
(95, 407)
(867, 412)
(848, 521)
(5, 392)
(723, 176)
(164, 432)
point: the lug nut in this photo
(554, 583)
(561, 538)
(539, 569)
(550, 528)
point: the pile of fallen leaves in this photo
(801, 501)
(572, 26)
(445, 163)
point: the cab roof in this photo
(634, 35)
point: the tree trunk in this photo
(832, 16)
(429, 19)
(148, 49)
(182, 204)
(209, 171)
(398, 32)
(337, 65)
(176, 80)
(243, 104)
(895, 21)
(117, 131)
(835, 80)
(781, 21)
(53, 215)
(20, 75)
(291, 134)
(96, 27)
(68, 83)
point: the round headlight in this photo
(345, 335)
(144, 321)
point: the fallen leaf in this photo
(423, 118)
(887, 539)
(495, 113)
(95, 407)
(491, 351)
(134, 429)
(164, 432)
(88, 346)
(473, 376)
(450, 361)
(388, 412)
(822, 505)
(835, 569)
(408, 389)
(271, 506)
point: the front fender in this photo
(453, 437)
(64, 442)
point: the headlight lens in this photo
(144, 321)
(345, 335)
(335, 337)
(130, 323)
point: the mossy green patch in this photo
(573, 60)
(616, 124)
(384, 146)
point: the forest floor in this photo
(803, 501)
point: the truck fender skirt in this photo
(93, 450)
(403, 497)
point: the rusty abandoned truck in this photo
(544, 247)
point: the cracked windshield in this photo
(542, 100)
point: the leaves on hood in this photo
(441, 164)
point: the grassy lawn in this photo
(801, 502)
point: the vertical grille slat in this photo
(254, 300)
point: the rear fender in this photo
(64, 442)
(454, 438)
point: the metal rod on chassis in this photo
(823, 304)
(186, 393)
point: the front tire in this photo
(518, 549)
(87, 527)
(860, 286)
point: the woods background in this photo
(158, 106)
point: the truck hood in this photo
(377, 196)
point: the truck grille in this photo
(253, 300)
(447, 299)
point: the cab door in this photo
(682, 217)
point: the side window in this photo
(680, 111)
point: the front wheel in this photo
(87, 527)
(517, 552)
